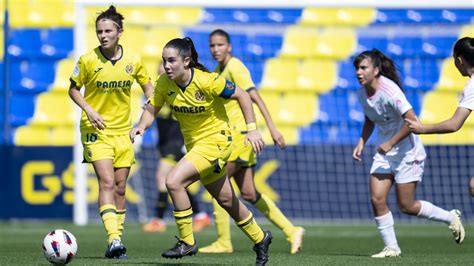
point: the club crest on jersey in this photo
(198, 95)
(129, 69)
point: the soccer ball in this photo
(59, 246)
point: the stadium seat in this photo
(356, 17)
(129, 39)
(22, 108)
(41, 13)
(365, 43)
(299, 42)
(450, 79)
(297, 109)
(317, 75)
(346, 76)
(438, 46)
(58, 42)
(263, 46)
(250, 15)
(63, 74)
(24, 43)
(320, 132)
(339, 105)
(137, 99)
(420, 74)
(31, 75)
(438, 106)
(290, 134)
(44, 136)
(335, 43)
(404, 46)
(467, 30)
(464, 136)
(54, 109)
(156, 38)
(176, 16)
(280, 74)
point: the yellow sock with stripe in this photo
(221, 218)
(184, 222)
(108, 213)
(250, 227)
(268, 208)
(121, 220)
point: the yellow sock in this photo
(121, 220)
(250, 227)
(108, 213)
(184, 222)
(268, 208)
(221, 218)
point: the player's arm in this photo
(367, 130)
(401, 134)
(276, 135)
(96, 120)
(253, 136)
(145, 121)
(148, 90)
(453, 124)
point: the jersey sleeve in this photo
(158, 98)
(217, 84)
(79, 74)
(141, 74)
(400, 102)
(241, 76)
(467, 97)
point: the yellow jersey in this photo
(199, 107)
(108, 86)
(236, 72)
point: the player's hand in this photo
(358, 151)
(255, 140)
(136, 131)
(415, 125)
(96, 120)
(384, 148)
(278, 139)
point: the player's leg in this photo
(223, 244)
(180, 177)
(245, 181)
(222, 191)
(380, 185)
(471, 186)
(201, 219)
(121, 175)
(157, 223)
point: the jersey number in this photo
(91, 137)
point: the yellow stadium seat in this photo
(133, 39)
(467, 30)
(183, 16)
(63, 73)
(297, 109)
(280, 74)
(450, 79)
(156, 38)
(299, 42)
(42, 135)
(464, 136)
(41, 13)
(317, 76)
(2, 10)
(137, 99)
(151, 66)
(337, 16)
(92, 12)
(2, 36)
(54, 109)
(335, 43)
(290, 134)
(438, 106)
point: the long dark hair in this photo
(112, 14)
(185, 47)
(385, 65)
(465, 47)
(220, 32)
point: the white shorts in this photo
(404, 169)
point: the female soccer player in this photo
(171, 148)
(243, 158)
(400, 154)
(107, 73)
(463, 53)
(196, 98)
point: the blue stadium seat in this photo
(251, 15)
(424, 16)
(421, 74)
(201, 42)
(339, 105)
(264, 46)
(346, 76)
(24, 43)
(33, 75)
(403, 47)
(329, 132)
(22, 108)
(415, 98)
(58, 42)
(256, 69)
(438, 46)
(365, 43)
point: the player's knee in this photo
(249, 196)
(225, 200)
(471, 186)
(407, 208)
(378, 201)
(120, 190)
(106, 184)
(172, 185)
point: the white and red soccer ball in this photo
(59, 246)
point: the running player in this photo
(107, 73)
(400, 154)
(243, 159)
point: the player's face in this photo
(366, 72)
(220, 48)
(107, 33)
(174, 64)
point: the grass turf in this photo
(20, 244)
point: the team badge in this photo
(129, 69)
(229, 85)
(198, 95)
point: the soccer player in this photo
(196, 98)
(463, 53)
(171, 148)
(400, 156)
(243, 158)
(107, 73)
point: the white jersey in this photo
(385, 109)
(467, 96)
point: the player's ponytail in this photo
(185, 49)
(385, 65)
(111, 14)
(464, 47)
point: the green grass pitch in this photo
(20, 244)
